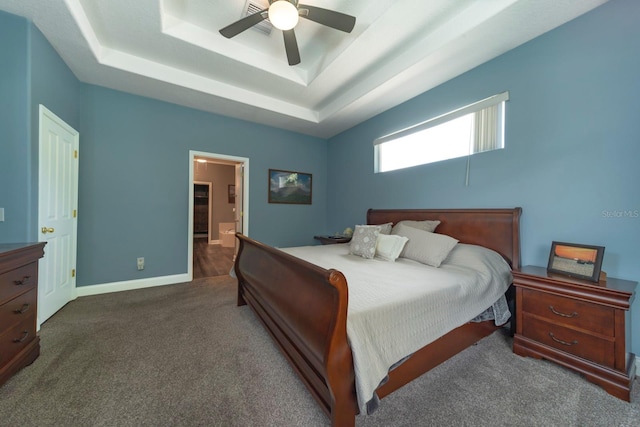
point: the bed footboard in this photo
(304, 308)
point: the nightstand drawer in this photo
(17, 281)
(583, 345)
(567, 312)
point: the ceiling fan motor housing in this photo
(293, 2)
(283, 14)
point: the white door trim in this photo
(245, 198)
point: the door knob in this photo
(46, 230)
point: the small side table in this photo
(332, 240)
(581, 325)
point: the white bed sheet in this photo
(396, 308)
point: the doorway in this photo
(218, 189)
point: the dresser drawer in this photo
(18, 309)
(15, 282)
(568, 312)
(13, 340)
(583, 345)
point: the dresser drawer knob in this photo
(22, 310)
(554, 311)
(25, 334)
(559, 341)
(22, 282)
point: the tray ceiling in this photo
(171, 50)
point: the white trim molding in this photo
(129, 285)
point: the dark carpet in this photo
(185, 355)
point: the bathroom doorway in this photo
(218, 188)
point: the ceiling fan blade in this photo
(330, 18)
(291, 47)
(243, 24)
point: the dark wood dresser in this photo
(578, 324)
(19, 344)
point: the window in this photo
(468, 130)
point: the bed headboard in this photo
(497, 229)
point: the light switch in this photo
(1, 214)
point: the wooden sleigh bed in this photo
(304, 307)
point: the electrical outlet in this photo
(141, 263)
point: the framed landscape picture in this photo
(580, 261)
(289, 187)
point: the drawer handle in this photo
(553, 337)
(22, 310)
(25, 334)
(553, 310)
(22, 282)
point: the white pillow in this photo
(389, 247)
(423, 246)
(363, 242)
(427, 225)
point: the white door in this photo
(57, 213)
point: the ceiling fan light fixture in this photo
(283, 15)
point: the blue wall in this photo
(572, 145)
(31, 73)
(134, 182)
(14, 127)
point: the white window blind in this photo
(471, 129)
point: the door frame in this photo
(245, 197)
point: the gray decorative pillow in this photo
(423, 246)
(385, 228)
(363, 242)
(427, 225)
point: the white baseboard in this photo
(105, 288)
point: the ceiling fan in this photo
(283, 14)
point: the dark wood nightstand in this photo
(578, 324)
(332, 240)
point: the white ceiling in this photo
(171, 50)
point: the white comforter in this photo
(396, 308)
